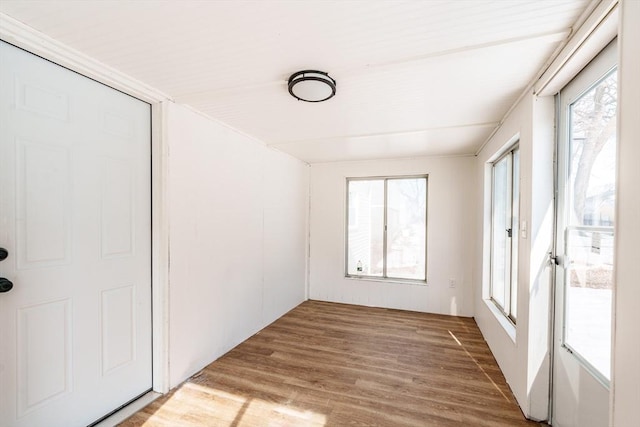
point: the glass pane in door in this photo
(590, 220)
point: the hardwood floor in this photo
(326, 364)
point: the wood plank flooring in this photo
(325, 364)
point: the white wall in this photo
(626, 349)
(238, 215)
(451, 209)
(522, 352)
(525, 362)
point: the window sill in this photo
(391, 281)
(506, 324)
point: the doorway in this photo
(586, 184)
(75, 216)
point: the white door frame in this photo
(596, 69)
(31, 40)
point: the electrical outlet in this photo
(452, 283)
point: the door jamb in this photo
(552, 255)
(159, 248)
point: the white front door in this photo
(75, 329)
(585, 241)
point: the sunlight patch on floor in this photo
(479, 367)
(262, 413)
(197, 405)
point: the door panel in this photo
(75, 218)
(43, 185)
(117, 228)
(44, 365)
(584, 246)
(118, 328)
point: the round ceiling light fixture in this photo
(312, 86)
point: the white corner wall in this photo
(521, 352)
(451, 234)
(525, 361)
(238, 215)
(625, 384)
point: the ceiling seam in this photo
(390, 133)
(378, 67)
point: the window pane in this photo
(406, 228)
(500, 223)
(515, 225)
(588, 279)
(592, 179)
(589, 249)
(366, 228)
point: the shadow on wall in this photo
(540, 327)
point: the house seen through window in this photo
(387, 227)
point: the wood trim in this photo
(594, 34)
(160, 247)
(27, 38)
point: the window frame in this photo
(384, 277)
(509, 311)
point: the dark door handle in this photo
(5, 285)
(3, 254)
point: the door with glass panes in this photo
(584, 245)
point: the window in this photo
(387, 227)
(588, 195)
(504, 232)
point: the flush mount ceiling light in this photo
(311, 86)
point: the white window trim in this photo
(384, 277)
(504, 311)
(508, 326)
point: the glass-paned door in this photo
(585, 241)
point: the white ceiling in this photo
(413, 77)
